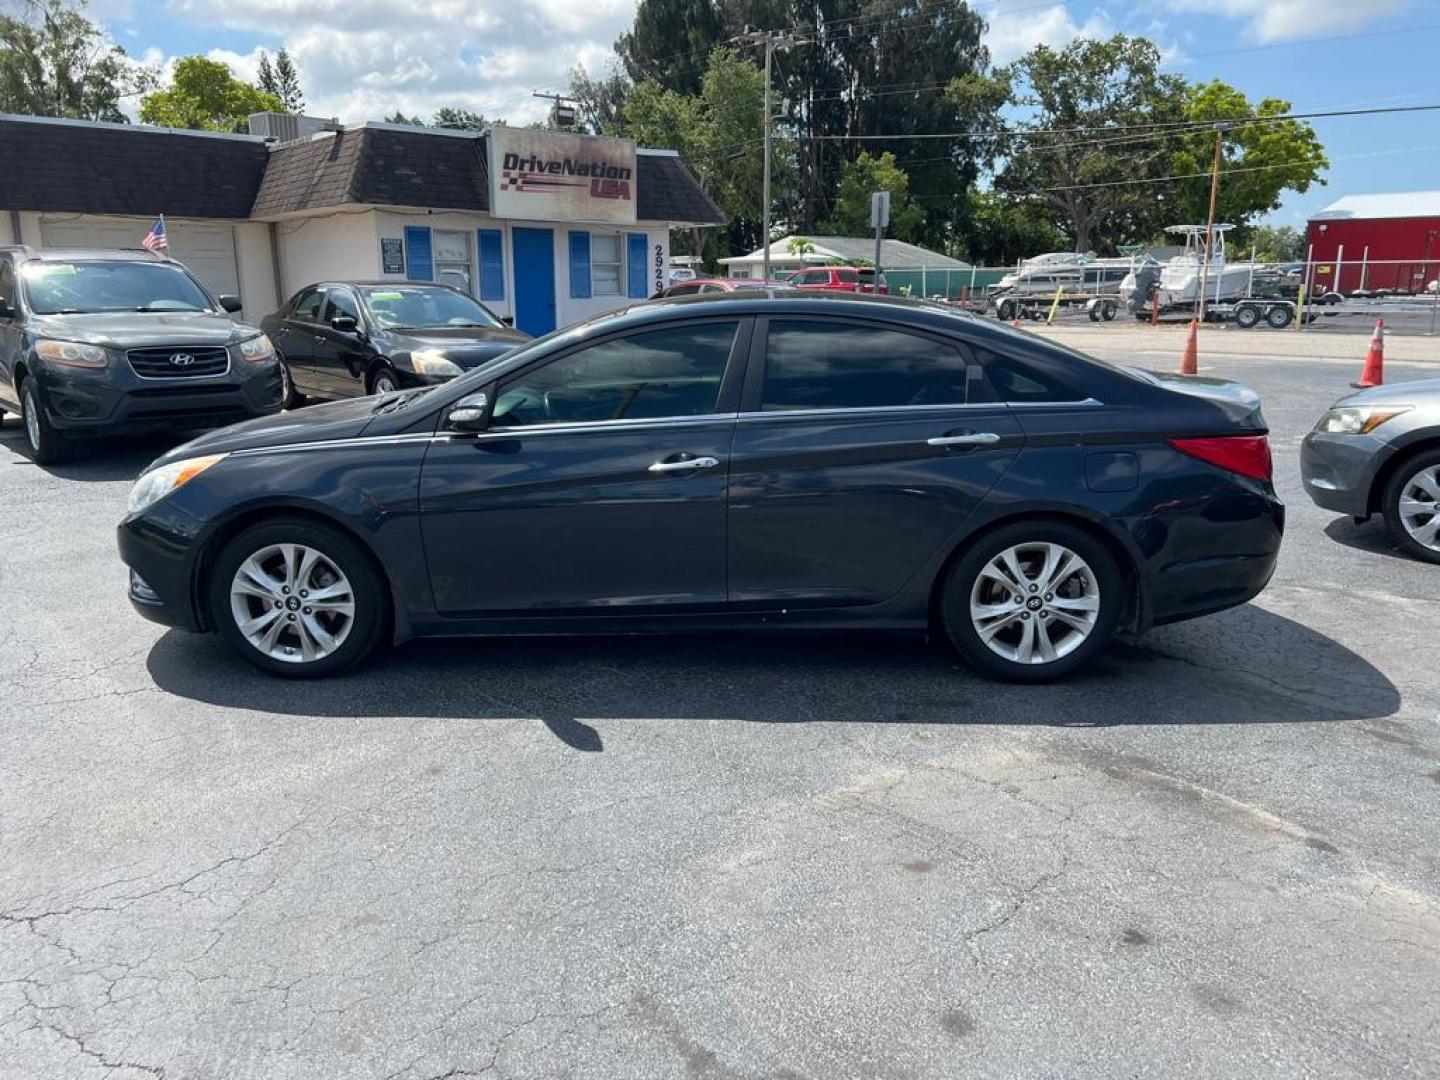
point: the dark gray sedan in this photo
(1378, 452)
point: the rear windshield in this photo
(56, 288)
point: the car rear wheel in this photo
(298, 599)
(1033, 601)
(47, 446)
(1412, 506)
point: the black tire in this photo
(965, 574)
(371, 597)
(47, 445)
(1390, 505)
(1279, 317)
(1247, 316)
(379, 376)
(1094, 312)
(1108, 310)
(1005, 310)
(290, 398)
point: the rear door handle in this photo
(688, 463)
(973, 438)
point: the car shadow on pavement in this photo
(109, 459)
(1369, 536)
(1246, 666)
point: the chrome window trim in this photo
(912, 410)
(621, 424)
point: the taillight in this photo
(1248, 455)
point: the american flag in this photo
(155, 239)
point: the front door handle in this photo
(688, 463)
(973, 438)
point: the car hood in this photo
(465, 346)
(138, 329)
(1418, 392)
(334, 420)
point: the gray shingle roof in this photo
(117, 169)
(89, 168)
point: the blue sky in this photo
(361, 59)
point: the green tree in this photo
(205, 95)
(670, 42)
(600, 101)
(287, 83)
(1004, 228)
(56, 62)
(1259, 162)
(462, 119)
(858, 180)
(1072, 148)
(265, 75)
(1277, 243)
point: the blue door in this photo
(534, 280)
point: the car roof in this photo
(91, 255)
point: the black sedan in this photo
(342, 339)
(784, 460)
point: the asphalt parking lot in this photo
(1217, 855)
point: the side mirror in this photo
(344, 324)
(508, 320)
(469, 413)
(230, 303)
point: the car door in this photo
(10, 332)
(341, 357)
(295, 337)
(599, 486)
(860, 450)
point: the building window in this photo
(607, 264)
(451, 251)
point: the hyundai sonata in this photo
(780, 460)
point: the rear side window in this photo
(1016, 381)
(843, 365)
(847, 277)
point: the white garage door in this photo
(208, 250)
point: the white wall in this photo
(327, 247)
(256, 270)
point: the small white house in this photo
(546, 227)
(822, 250)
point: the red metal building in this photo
(1377, 242)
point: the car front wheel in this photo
(384, 381)
(47, 446)
(1033, 601)
(1412, 506)
(298, 599)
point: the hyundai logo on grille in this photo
(181, 359)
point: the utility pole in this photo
(562, 110)
(1210, 224)
(772, 40)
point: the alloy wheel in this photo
(32, 419)
(292, 603)
(385, 383)
(1035, 603)
(1420, 507)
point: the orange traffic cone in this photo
(1189, 359)
(1373, 373)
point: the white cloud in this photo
(1280, 20)
(364, 59)
(1017, 26)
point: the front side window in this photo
(672, 372)
(75, 288)
(7, 282)
(813, 277)
(342, 303)
(851, 365)
(607, 269)
(308, 305)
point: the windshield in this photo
(424, 307)
(54, 288)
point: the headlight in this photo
(432, 362)
(71, 353)
(258, 349)
(157, 483)
(1357, 419)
